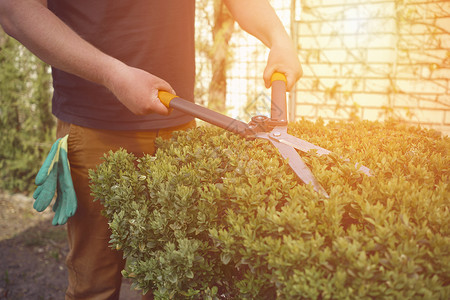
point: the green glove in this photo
(55, 175)
(46, 179)
(66, 200)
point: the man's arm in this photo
(44, 34)
(258, 18)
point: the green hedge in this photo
(214, 216)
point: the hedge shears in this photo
(273, 129)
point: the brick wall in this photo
(374, 59)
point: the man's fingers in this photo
(160, 108)
(291, 78)
(267, 75)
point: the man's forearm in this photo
(44, 34)
(258, 18)
(38, 29)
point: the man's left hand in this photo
(283, 58)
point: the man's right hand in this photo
(138, 90)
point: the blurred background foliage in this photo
(26, 123)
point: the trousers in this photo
(94, 269)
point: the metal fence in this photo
(368, 59)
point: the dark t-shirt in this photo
(154, 35)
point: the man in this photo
(110, 59)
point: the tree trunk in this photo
(222, 31)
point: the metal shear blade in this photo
(288, 152)
(281, 135)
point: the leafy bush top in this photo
(214, 216)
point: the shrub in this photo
(214, 216)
